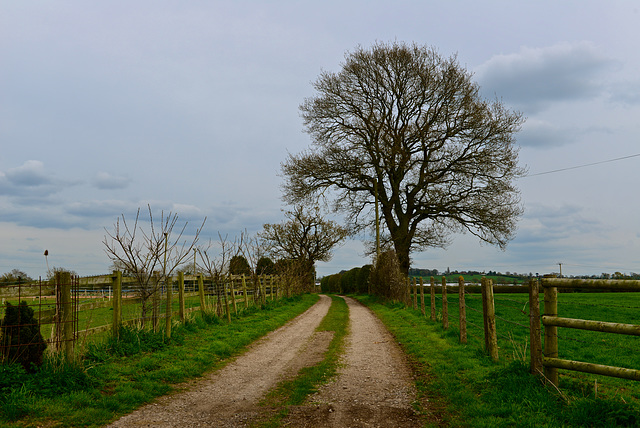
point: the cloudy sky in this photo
(192, 106)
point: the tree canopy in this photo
(238, 265)
(306, 235)
(409, 126)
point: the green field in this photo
(463, 387)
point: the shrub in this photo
(387, 279)
(20, 338)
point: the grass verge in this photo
(464, 388)
(295, 392)
(116, 377)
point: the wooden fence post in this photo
(483, 292)
(116, 286)
(181, 296)
(169, 285)
(407, 293)
(445, 305)
(244, 292)
(534, 328)
(415, 293)
(432, 290)
(233, 295)
(462, 311)
(491, 338)
(226, 299)
(274, 287)
(203, 305)
(155, 312)
(66, 315)
(551, 332)
(422, 296)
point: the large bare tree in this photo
(402, 123)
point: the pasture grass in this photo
(465, 388)
(117, 376)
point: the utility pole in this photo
(560, 264)
(375, 185)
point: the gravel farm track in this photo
(373, 388)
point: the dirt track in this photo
(373, 389)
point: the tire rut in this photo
(229, 397)
(374, 388)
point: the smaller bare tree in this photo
(253, 250)
(306, 237)
(149, 255)
(216, 266)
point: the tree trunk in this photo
(402, 252)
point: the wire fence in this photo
(37, 315)
(67, 311)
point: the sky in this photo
(190, 107)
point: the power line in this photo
(582, 166)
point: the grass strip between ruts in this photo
(295, 392)
(118, 385)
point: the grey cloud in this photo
(30, 183)
(31, 173)
(42, 217)
(101, 209)
(545, 225)
(542, 134)
(626, 92)
(535, 77)
(106, 181)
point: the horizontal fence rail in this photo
(552, 321)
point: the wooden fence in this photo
(58, 302)
(232, 291)
(552, 321)
(544, 362)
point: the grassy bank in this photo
(464, 388)
(115, 377)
